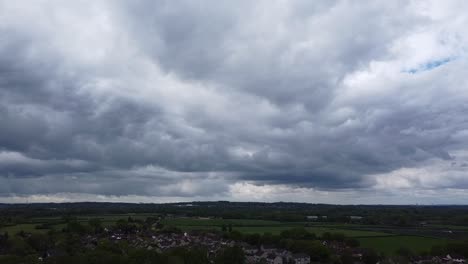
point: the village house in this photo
(268, 248)
(249, 250)
(162, 242)
(301, 258)
(274, 259)
(316, 217)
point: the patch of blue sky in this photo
(430, 65)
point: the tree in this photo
(314, 248)
(352, 242)
(75, 227)
(438, 250)
(253, 239)
(96, 225)
(143, 256)
(4, 241)
(404, 252)
(21, 233)
(338, 237)
(370, 257)
(270, 239)
(38, 242)
(347, 257)
(234, 235)
(231, 255)
(193, 256)
(125, 226)
(327, 236)
(458, 248)
(68, 218)
(20, 248)
(72, 243)
(297, 233)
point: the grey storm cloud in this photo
(193, 98)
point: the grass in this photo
(390, 244)
(29, 228)
(57, 222)
(218, 222)
(453, 227)
(252, 226)
(380, 241)
(347, 232)
(276, 230)
(205, 228)
(103, 217)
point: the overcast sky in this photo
(161, 101)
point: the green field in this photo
(204, 228)
(30, 228)
(249, 226)
(380, 241)
(449, 227)
(386, 243)
(218, 222)
(347, 232)
(85, 218)
(389, 245)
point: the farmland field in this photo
(450, 227)
(30, 228)
(276, 230)
(218, 222)
(389, 245)
(384, 242)
(347, 232)
(383, 239)
(261, 226)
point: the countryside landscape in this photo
(234, 132)
(210, 232)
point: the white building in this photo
(301, 258)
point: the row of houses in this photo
(273, 255)
(324, 217)
(213, 243)
(448, 259)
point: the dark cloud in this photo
(191, 99)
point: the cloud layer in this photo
(323, 101)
